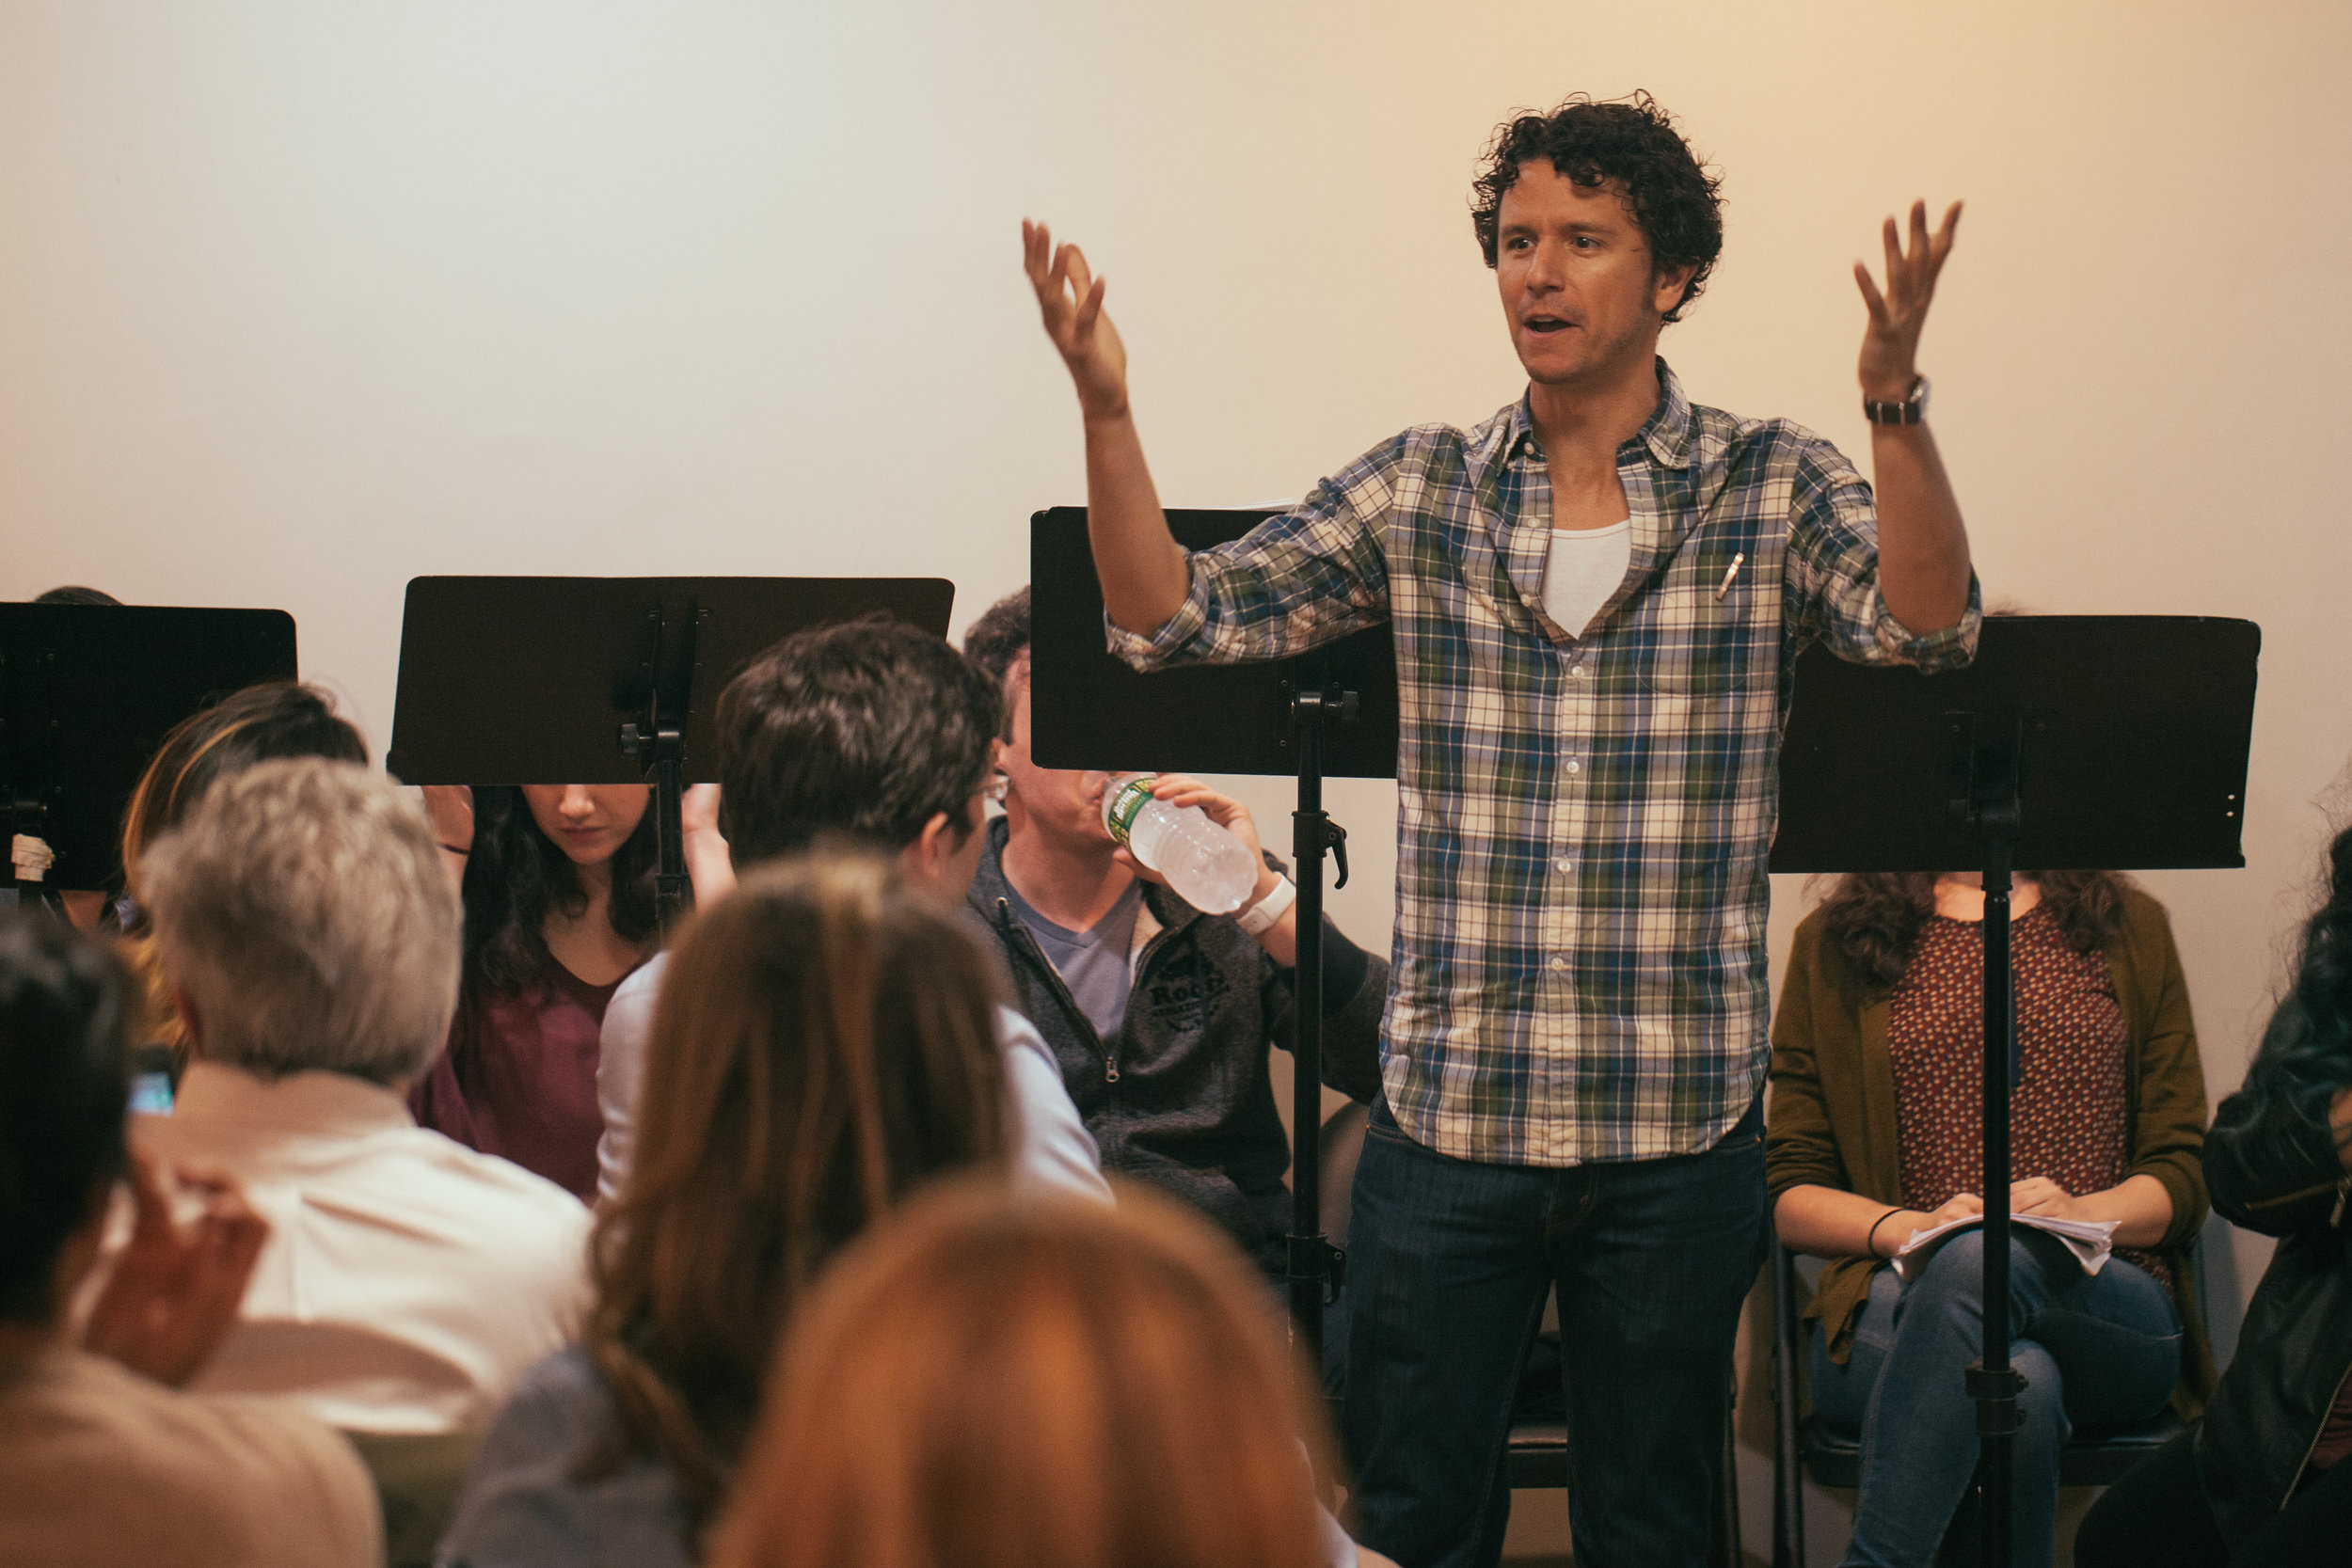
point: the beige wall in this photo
(300, 299)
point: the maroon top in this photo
(520, 1077)
(2069, 1118)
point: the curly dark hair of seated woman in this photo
(1631, 141)
(822, 1047)
(1875, 917)
(517, 874)
(2306, 1052)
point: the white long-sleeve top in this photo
(1052, 1148)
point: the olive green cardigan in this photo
(1832, 1116)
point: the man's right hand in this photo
(1069, 297)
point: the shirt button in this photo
(1558, 963)
(1577, 670)
(1564, 866)
(1575, 766)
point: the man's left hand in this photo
(1890, 344)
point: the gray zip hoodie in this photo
(1181, 1097)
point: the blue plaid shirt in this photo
(1583, 812)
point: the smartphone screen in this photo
(152, 1078)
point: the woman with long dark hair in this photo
(1876, 1132)
(2267, 1477)
(557, 881)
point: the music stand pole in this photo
(1315, 1265)
(1992, 1382)
(2117, 742)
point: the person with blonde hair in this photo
(993, 1380)
(276, 719)
(824, 1045)
(311, 940)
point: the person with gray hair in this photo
(312, 937)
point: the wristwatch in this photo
(1910, 411)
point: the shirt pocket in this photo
(1699, 618)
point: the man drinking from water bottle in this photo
(1161, 1015)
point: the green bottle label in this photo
(1127, 804)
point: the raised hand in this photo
(1069, 297)
(175, 1291)
(1890, 344)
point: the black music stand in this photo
(604, 680)
(1333, 712)
(2074, 742)
(87, 693)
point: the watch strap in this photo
(1911, 411)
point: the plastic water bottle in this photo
(1212, 870)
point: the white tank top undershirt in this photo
(1585, 567)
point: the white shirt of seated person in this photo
(408, 1280)
(1053, 1152)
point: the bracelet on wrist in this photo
(1260, 917)
(1870, 1242)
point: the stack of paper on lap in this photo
(2090, 1241)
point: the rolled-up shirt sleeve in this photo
(1833, 561)
(1308, 576)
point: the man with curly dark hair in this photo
(1597, 595)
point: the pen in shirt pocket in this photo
(1725, 587)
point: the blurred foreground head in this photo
(64, 1081)
(996, 1382)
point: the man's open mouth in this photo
(1548, 323)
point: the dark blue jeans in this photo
(2096, 1350)
(1450, 1261)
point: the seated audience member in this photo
(102, 1466)
(990, 1380)
(277, 718)
(1160, 1016)
(557, 885)
(879, 734)
(825, 1046)
(303, 915)
(1876, 1131)
(2265, 1479)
